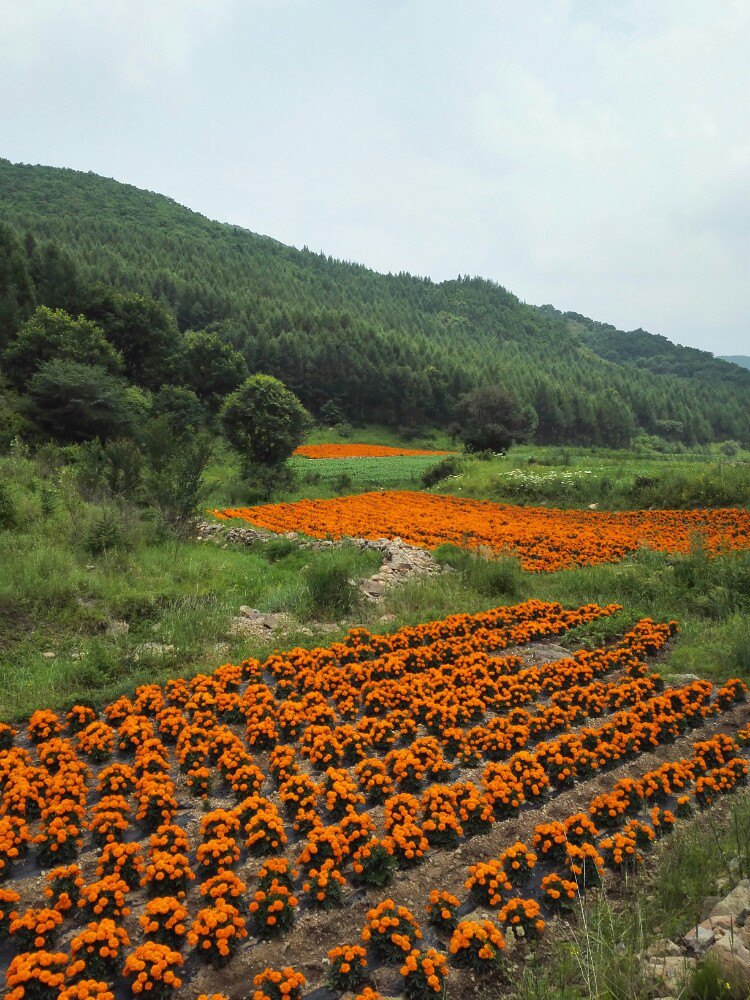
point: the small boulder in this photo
(736, 904)
(670, 970)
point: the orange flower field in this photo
(335, 816)
(359, 451)
(543, 538)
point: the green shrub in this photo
(500, 577)
(276, 549)
(343, 483)
(7, 508)
(329, 588)
(709, 983)
(109, 529)
(601, 632)
(451, 465)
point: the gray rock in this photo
(699, 938)
(152, 649)
(680, 680)
(736, 904)
(662, 948)
(732, 958)
(252, 614)
(708, 904)
(670, 970)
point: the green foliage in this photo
(358, 475)
(76, 402)
(622, 480)
(109, 529)
(51, 334)
(330, 590)
(449, 466)
(263, 421)
(181, 409)
(174, 483)
(143, 330)
(331, 413)
(7, 508)
(499, 577)
(17, 294)
(393, 348)
(213, 368)
(601, 632)
(709, 982)
(14, 423)
(493, 418)
(109, 470)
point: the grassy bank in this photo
(615, 480)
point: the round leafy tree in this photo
(492, 418)
(263, 420)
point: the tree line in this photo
(191, 306)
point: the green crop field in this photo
(352, 475)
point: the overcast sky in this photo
(589, 153)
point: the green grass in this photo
(528, 475)
(329, 476)
(710, 598)
(619, 480)
(424, 438)
(57, 597)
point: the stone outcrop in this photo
(723, 937)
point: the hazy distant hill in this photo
(394, 347)
(737, 359)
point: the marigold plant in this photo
(523, 917)
(391, 931)
(95, 951)
(559, 893)
(272, 910)
(107, 897)
(154, 969)
(35, 928)
(167, 873)
(324, 886)
(441, 910)
(489, 881)
(347, 968)
(164, 920)
(217, 931)
(87, 989)
(278, 984)
(477, 944)
(63, 887)
(424, 974)
(373, 863)
(36, 975)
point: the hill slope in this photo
(395, 348)
(737, 359)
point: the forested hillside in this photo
(737, 359)
(392, 348)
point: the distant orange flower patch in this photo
(359, 451)
(545, 539)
